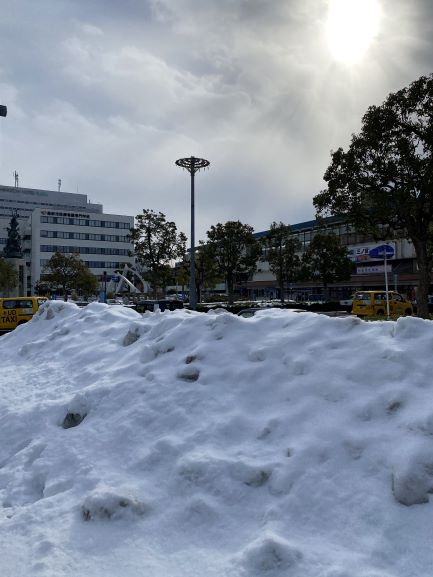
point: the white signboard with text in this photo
(374, 269)
(362, 253)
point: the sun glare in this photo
(351, 27)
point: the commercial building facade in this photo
(369, 270)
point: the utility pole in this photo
(192, 165)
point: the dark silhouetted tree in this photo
(235, 251)
(325, 259)
(68, 272)
(157, 243)
(12, 247)
(8, 276)
(383, 184)
(281, 249)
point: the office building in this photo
(54, 221)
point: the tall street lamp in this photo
(3, 110)
(192, 165)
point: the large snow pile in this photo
(180, 444)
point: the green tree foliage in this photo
(165, 276)
(68, 272)
(325, 259)
(206, 269)
(157, 243)
(383, 184)
(281, 249)
(8, 276)
(181, 273)
(235, 251)
(86, 283)
(206, 274)
(12, 247)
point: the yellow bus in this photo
(15, 311)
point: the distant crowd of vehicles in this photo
(15, 311)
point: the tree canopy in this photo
(8, 276)
(206, 269)
(235, 251)
(383, 183)
(67, 272)
(12, 247)
(157, 243)
(325, 259)
(281, 249)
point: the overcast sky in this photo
(107, 94)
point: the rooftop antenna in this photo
(59, 184)
(17, 179)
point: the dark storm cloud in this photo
(107, 94)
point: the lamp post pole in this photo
(385, 266)
(192, 165)
(103, 290)
(105, 286)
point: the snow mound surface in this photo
(180, 444)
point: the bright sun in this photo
(351, 27)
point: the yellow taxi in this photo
(15, 311)
(373, 303)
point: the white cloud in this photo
(107, 95)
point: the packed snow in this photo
(182, 444)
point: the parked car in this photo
(18, 310)
(315, 299)
(81, 304)
(347, 302)
(373, 303)
(154, 305)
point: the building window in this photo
(83, 222)
(83, 250)
(84, 236)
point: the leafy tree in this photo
(157, 243)
(8, 276)
(165, 275)
(86, 283)
(181, 273)
(235, 251)
(383, 184)
(281, 249)
(12, 248)
(42, 287)
(206, 269)
(326, 259)
(68, 272)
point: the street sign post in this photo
(383, 251)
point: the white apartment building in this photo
(52, 221)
